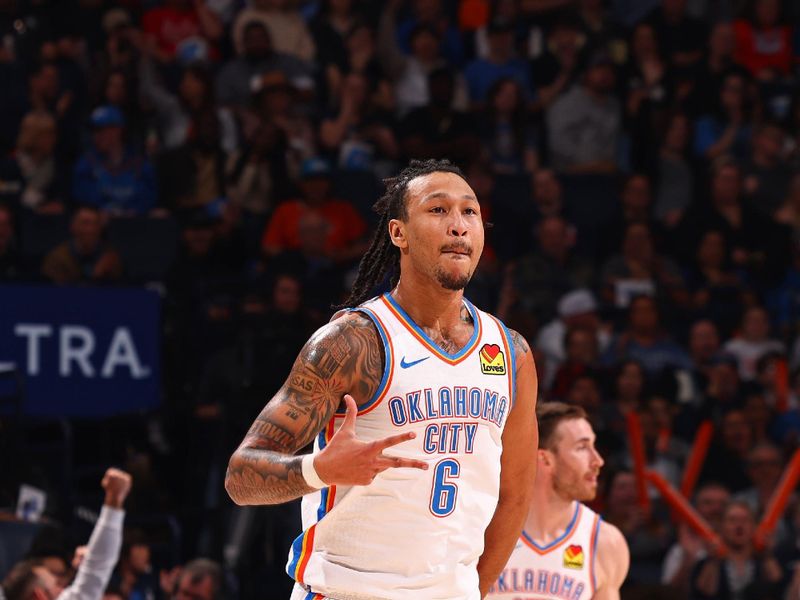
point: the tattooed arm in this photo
(517, 472)
(344, 357)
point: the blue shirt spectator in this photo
(483, 73)
(710, 130)
(110, 176)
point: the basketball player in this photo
(565, 551)
(419, 487)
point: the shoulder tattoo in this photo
(345, 357)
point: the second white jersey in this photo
(561, 570)
(414, 533)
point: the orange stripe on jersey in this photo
(305, 554)
(330, 429)
(593, 550)
(559, 542)
(413, 330)
(329, 501)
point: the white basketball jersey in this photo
(414, 533)
(562, 570)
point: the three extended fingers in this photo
(382, 461)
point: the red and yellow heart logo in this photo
(490, 351)
(492, 360)
(573, 557)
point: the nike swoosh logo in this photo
(405, 365)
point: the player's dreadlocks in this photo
(383, 257)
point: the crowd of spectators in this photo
(639, 163)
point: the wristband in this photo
(310, 473)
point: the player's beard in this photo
(571, 485)
(451, 281)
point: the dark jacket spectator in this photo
(743, 573)
(85, 257)
(542, 277)
(437, 130)
(585, 123)
(766, 173)
(681, 36)
(235, 79)
(757, 246)
(11, 263)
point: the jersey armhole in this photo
(388, 361)
(513, 355)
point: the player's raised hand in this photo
(346, 460)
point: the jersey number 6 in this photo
(444, 492)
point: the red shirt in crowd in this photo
(283, 231)
(170, 27)
(760, 49)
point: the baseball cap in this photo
(107, 116)
(314, 167)
(576, 302)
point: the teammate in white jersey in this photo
(566, 551)
(444, 389)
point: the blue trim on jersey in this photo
(467, 347)
(388, 360)
(513, 353)
(594, 552)
(310, 596)
(297, 551)
(567, 531)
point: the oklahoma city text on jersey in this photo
(447, 403)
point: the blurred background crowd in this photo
(639, 162)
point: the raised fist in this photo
(117, 484)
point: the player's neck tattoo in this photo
(446, 342)
(465, 315)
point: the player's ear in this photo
(397, 233)
(545, 458)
